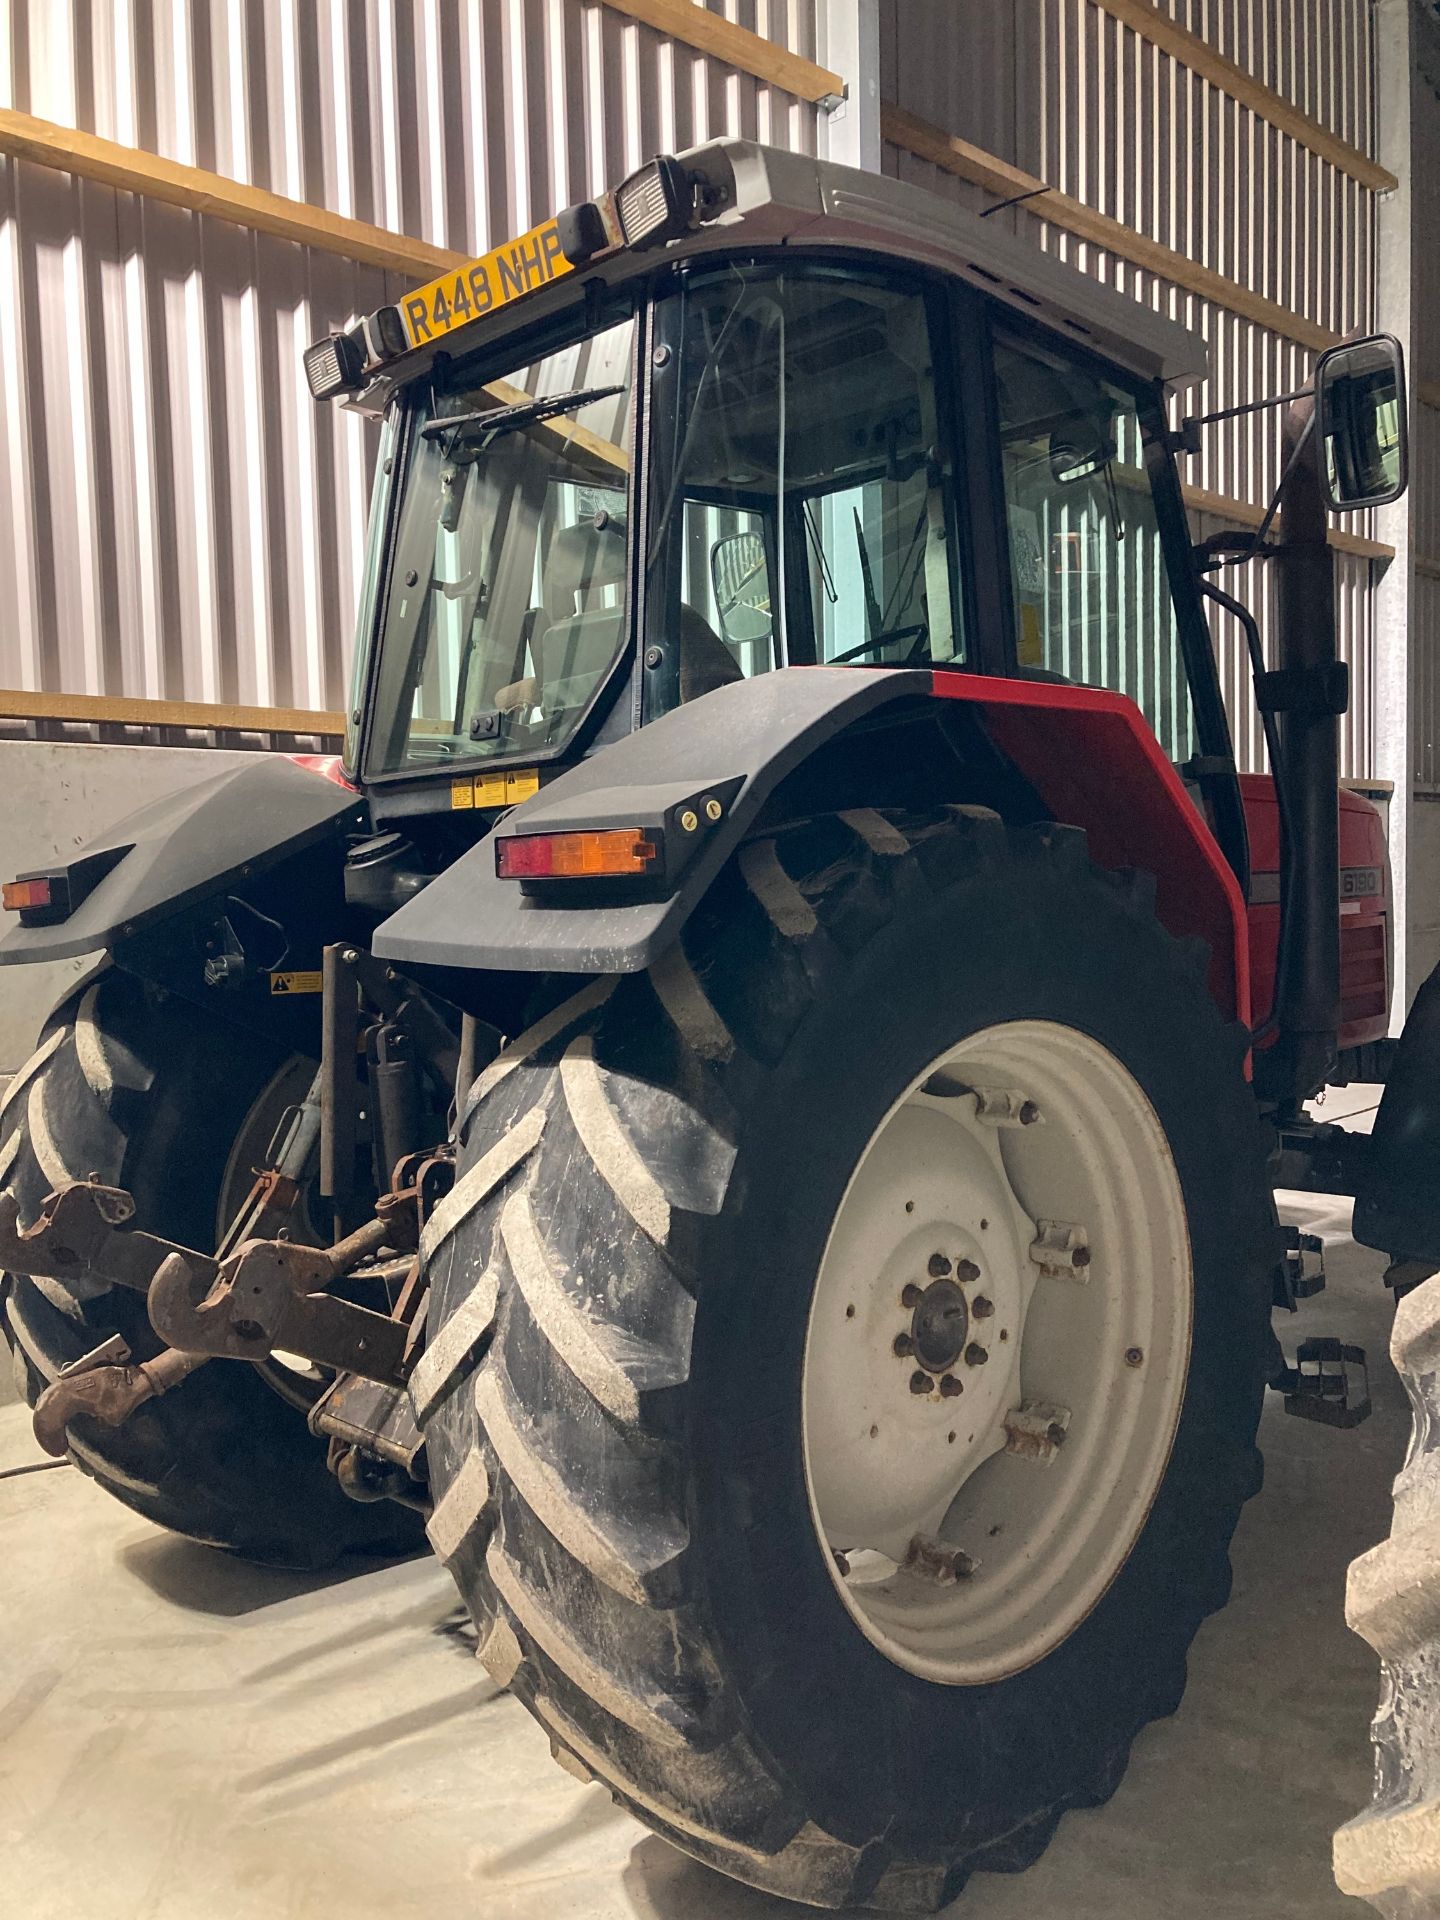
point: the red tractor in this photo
(754, 1101)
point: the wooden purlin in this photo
(114, 710)
(737, 46)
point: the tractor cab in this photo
(792, 424)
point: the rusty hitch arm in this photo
(84, 1232)
(265, 1294)
(270, 1293)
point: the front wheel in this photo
(882, 1314)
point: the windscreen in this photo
(506, 602)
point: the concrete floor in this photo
(182, 1735)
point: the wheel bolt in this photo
(1055, 1434)
(975, 1355)
(910, 1295)
(904, 1346)
(939, 1266)
(1080, 1257)
(981, 1307)
(1029, 1113)
(950, 1386)
(920, 1382)
(966, 1270)
(1134, 1356)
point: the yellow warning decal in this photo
(297, 982)
(506, 789)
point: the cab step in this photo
(1329, 1383)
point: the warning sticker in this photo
(505, 789)
(297, 982)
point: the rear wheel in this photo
(141, 1089)
(880, 1294)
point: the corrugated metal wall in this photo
(177, 519)
(1424, 497)
(1073, 96)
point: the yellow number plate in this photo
(463, 294)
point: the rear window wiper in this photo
(523, 414)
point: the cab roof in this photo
(771, 198)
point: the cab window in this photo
(1090, 589)
(805, 506)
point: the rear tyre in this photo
(1390, 1854)
(141, 1089)
(704, 1205)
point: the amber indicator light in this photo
(613, 852)
(17, 895)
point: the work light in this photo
(384, 334)
(333, 366)
(655, 203)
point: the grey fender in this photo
(739, 742)
(190, 844)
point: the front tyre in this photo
(882, 1317)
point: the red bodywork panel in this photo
(1364, 909)
(1091, 756)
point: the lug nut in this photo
(966, 1270)
(950, 1386)
(939, 1266)
(911, 1295)
(981, 1307)
(1029, 1113)
(1080, 1257)
(1055, 1434)
(920, 1382)
(975, 1355)
(1134, 1356)
(904, 1346)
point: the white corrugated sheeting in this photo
(1424, 497)
(177, 519)
(1071, 95)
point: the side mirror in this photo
(740, 581)
(1360, 422)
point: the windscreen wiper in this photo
(523, 414)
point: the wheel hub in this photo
(939, 1331)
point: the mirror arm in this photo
(1187, 440)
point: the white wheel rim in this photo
(975, 1518)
